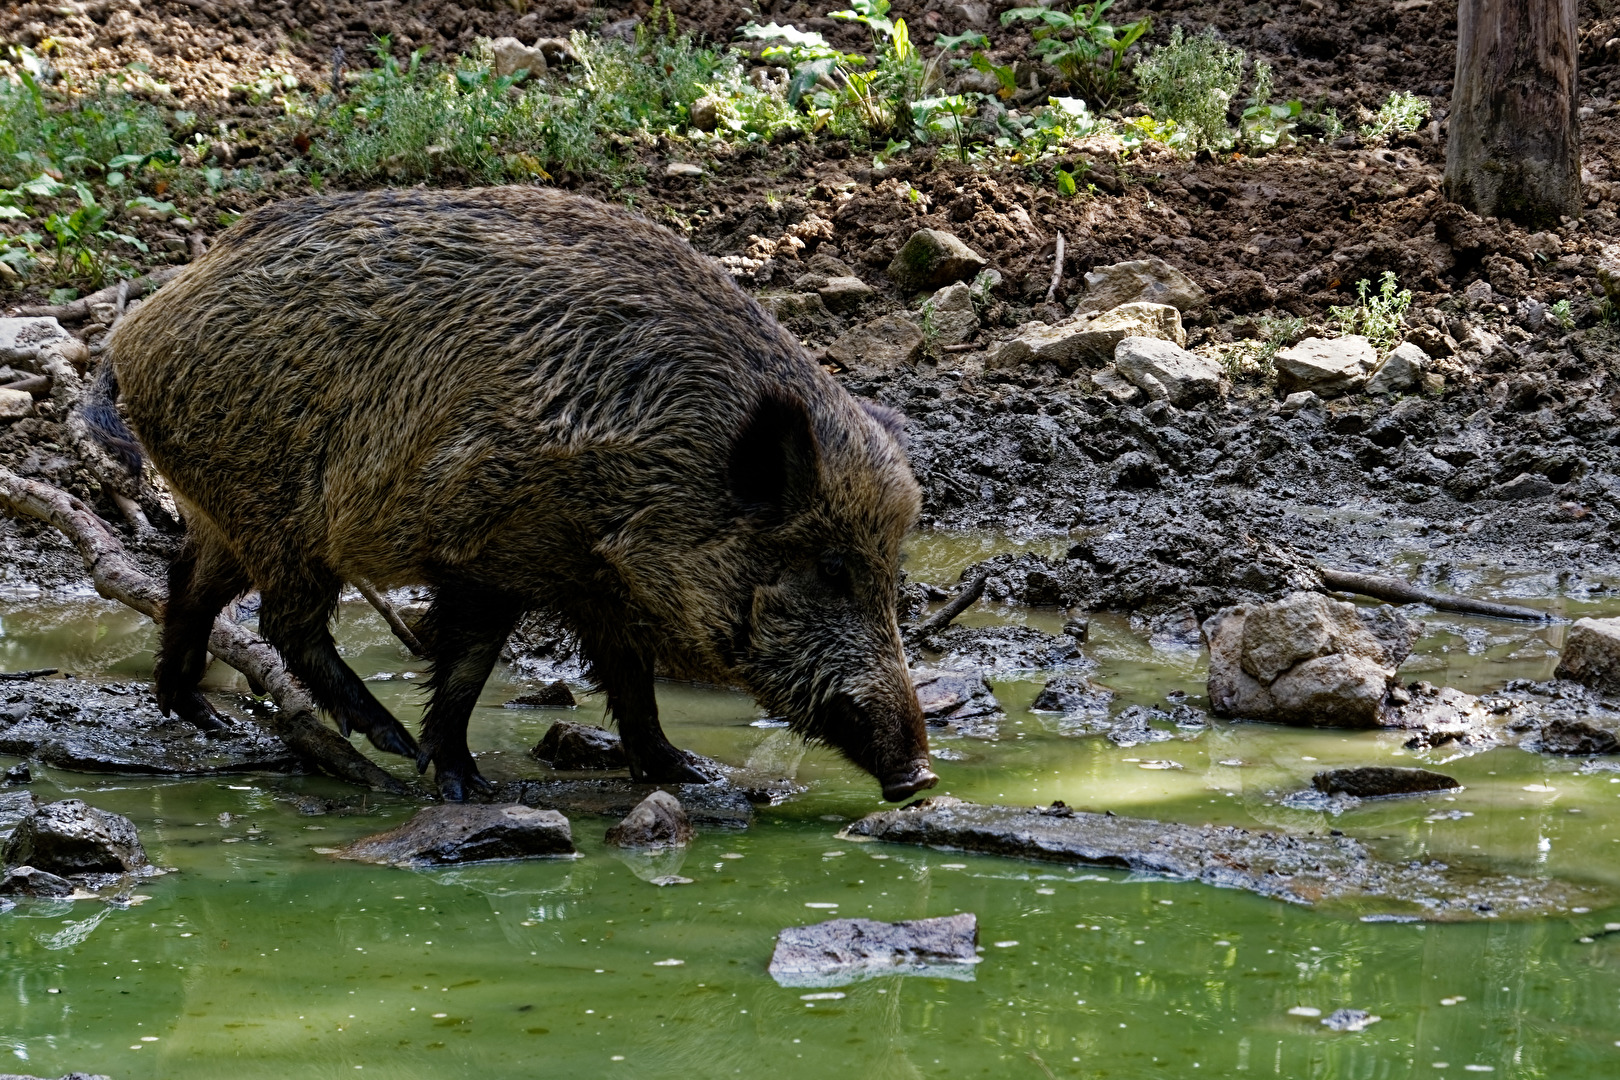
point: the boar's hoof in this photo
(675, 767)
(454, 784)
(392, 738)
(197, 711)
(906, 784)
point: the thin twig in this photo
(961, 348)
(964, 599)
(118, 578)
(1396, 591)
(119, 294)
(1057, 271)
(391, 616)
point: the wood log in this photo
(391, 616)
(1513, 145)
(118, 578)
(965, 598)
(1396, 591)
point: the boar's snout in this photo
(906, 783)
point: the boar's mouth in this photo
(905, 784)
(875, 739)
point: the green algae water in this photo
(265, 957)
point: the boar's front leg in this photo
(466, 628)
(627, 678)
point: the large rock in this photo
(788, 307)
(1150, 280)
(567, 745)
(512, 56)
(1083, 340)
(1299, 869)
(15, 404)
(842, 950)
(1592, 654)
(466, 832)
(31, 881)
(1401, 371)
(932, 258)
(1166, 372)
(1306, 660)
(22, 341)
(845, 293)
(950, 315)
(71, 837)
(1329, 366)
(886, 342)
(1381, 781)
(658, 821)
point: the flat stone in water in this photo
(466, 832)
(719, 803)
(1349, 1020)
(117, 728)
(842, 950)
(1302, 870)
(1381, 781)
(553, 695)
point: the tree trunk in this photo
(1514, 148)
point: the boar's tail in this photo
(100, 414)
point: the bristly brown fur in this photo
(526, 399)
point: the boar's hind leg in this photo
(467, 627)
(203, 578)
(627, 677)
(296, 617)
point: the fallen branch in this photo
(75, 310)
(391, 616)
(1396, 591)
(964, 599)
(961, 348)
(1057, 271)
(118, 578)
(24, 676)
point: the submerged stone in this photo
(461, 832)
(724, 802)
(1381, 781)
(1299, 869)
(842, 950)
(553, 695)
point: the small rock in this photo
(932, 258)
(1299, 402)
(554, 695)
(1524, 487)
(1591, 654)
(1432, 340)
(1576, 738)
(1306, 659)
(845, 293)
(888, 341)
(682, 169)
(1075, 697)
(828, 265)
(1166, 372)
(785, 307)
(30, 881)
(512, 56)
(569, 746)
(1349, 1020)
(16, 404)
(70, 837)
(953, 696)
(558, 51)
(1150, 280)
(1111, 384)
(1381, 781)
(705, 113)
(1087, 340)
(1402, 370)
(972, 12)
(950, 315)
(658, 821)
(23, 340)
(466, 832)
(841, 950)
(1327, 365)
(20, 774)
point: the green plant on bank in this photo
(1376, 317)
(1086, 50)
(1561, 315)
(1400, 113)
(1280, 333)
(1192, 80)
(1264, 125)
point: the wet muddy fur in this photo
(523, 399)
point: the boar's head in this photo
(825, 502)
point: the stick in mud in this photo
(24, 676)
(118, 578)
(1396, 591)
(1057, 270)
(391, 616)
(75, 310)
(966, 598)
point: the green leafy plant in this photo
(842, 95)
(1006, 78)
(941, 118)
(968, 39)
(1087, 51)
(1279, 333)
(81, 236)
(1401, 112)
(1264, 125)
(1191, 80)
(1561, 315)
(1376, 317)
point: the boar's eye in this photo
(831, 568)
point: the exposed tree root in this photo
(118, 578)
(1396, 591)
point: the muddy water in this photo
(267, 958)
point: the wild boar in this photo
(524, 400)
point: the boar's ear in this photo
(774, 458)
(891, 420)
